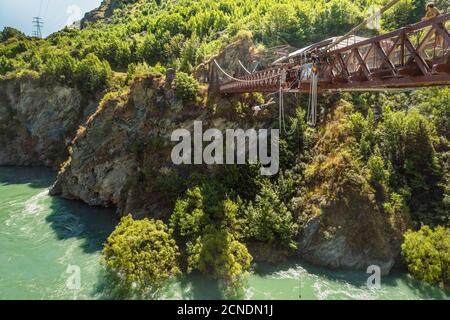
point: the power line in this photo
(40, 7)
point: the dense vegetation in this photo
(142, 253)
(427, 253)
(399, 143)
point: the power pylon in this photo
(38, 23)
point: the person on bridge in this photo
(431, 13)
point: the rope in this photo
(241, 80)
(281, 115)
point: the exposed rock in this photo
(264, 252)
(37, 123)
(105, 10)
(125, 146)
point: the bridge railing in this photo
(412, 50)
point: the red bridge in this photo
(415, 56)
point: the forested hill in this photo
(95, 104)
(183, 33)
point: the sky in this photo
(55, 13)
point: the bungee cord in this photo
(312, 104)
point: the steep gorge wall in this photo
(124, 146)
(38, 122)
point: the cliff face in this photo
(103, 12)
(37, 123)
(123, 147)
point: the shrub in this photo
(188, 217)
(204, 206)
(58, 66)
(270, 219)
(186, 87)
(376, 168)
(141, 252)
(218, 254)
(143, 69)
(9, 33)
(92, 74)
(6, 65)
(427, 254)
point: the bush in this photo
(9, 33)
(143, 69)
(427, 254)
(141, 252)
(92, 74)
(6, 65)
(376, 167)
(270, 219)
(203, 206)
(186, 87)
(60, 67)
(218, 254)
(188, 217)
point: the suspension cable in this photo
(245, 69)
(242, 80)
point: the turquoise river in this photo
(41, 236)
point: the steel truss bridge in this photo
(415, 56)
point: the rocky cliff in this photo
(37, 122)
(123, 147)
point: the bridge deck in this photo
(410, 57)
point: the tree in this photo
(218, 254)
(188, 217)
(270, 219)
(186, 87)
(338, 18)
(141, 252)
(58, 66)
(9, 33)
(427, 254)
(92, 74)
(285, 23)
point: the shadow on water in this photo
(425, 290)
(198, 287)
(74, 219)
(37, 178)
(69, 219)
(186, 287)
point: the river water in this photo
(41, 236)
